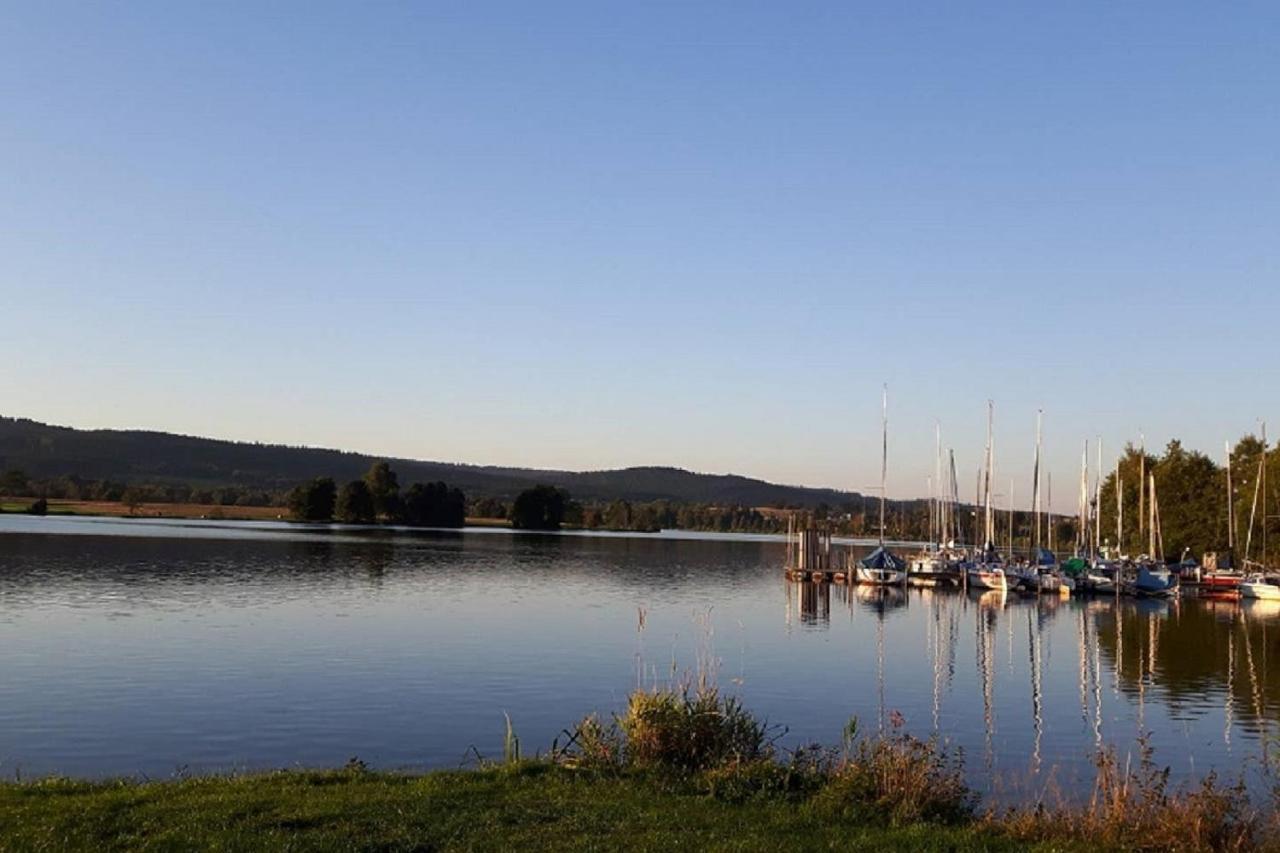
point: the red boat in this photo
(1220, 581)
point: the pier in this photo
(809, 553)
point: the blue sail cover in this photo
(1157, 581)
(1045, 557)
(882, 558)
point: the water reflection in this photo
(812, 602)
(123, 654)
(1175, 670)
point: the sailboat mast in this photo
(884, 453)
(1119, 509)
(1151, 520)
(1253, 511)
(977, 502)
(933, 511)
(989, 532)
(1011, 483)
(1035, 482)
(1231, 511)
(939, 501)
(1155, 518)
(1264, 495)
(1082, 526)
(1097, 503)
(952, 525)
(1048, 483)
(1142, 482)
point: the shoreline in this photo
(532, 805)
(65, 509)
(541, 804)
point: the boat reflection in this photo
(1184, 667)
(1261, 609)
(880, 599)
(989, 598)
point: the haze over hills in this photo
(44, 451)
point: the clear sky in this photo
(589, 235)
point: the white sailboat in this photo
(934, 565)
(1045, 571)
(1261, 583)
(987, 572)
(882, 567)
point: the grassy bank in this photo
(526, 806)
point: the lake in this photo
(147, 647)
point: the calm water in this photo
(135, 647)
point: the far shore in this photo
(118, 509)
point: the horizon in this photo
(580, 238)
(997, 495)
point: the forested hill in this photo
(44, 452)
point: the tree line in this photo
(376, 498)
(14, 482)
(1191, 489)
(1191, 494)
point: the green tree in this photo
(355, 503)
(539, 508)
(488, 508)
(435, 505)
(15, 483)
(385, 489)
(1190, 499)
(314, 501)
(618, 515)
(132, 498)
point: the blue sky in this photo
(589, 235)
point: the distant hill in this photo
(138, 456)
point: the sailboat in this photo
(882, 567)
(1260, 583)
(934, 566)
(1047, 574)
(987, 572)
(1153, 578)
(1089, 571)
(1227, 580)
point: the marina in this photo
(1093, 567)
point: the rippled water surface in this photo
(132, 647)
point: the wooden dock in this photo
(809, 554)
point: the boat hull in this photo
(1100, 584)
(1219, 582)
(879, 577)
(1153, 583)
(1260, 589)
(988, 579)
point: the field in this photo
(149, 510)
(165, 510)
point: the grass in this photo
(529, 805)
(117, 509)
(689, 730)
